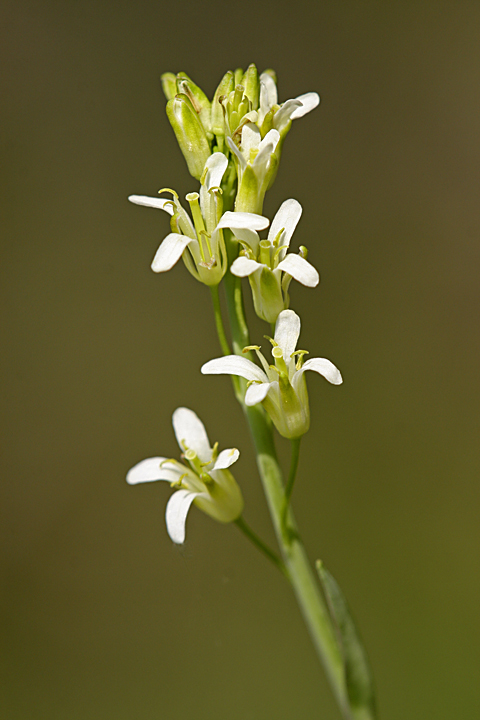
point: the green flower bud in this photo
(225, 87)
(169, 85)
(190, 133)
(238, 76)
(199, 100)
(251, 83)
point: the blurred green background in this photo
(103, 618)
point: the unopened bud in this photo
(251, 83)
(190, 133)
(169, 85)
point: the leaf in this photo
(358, 675)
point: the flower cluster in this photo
(232, 146)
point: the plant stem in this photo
(218, 320)
(300, 572)
(295, 445)
(273, 557)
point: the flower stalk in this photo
(232, 146)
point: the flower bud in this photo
(251, 83)
(225, 87)
(201, 104)
(190, 133)
(169, 85)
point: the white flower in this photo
(280, 387)
(256, 164)
(289, 110)
(201, 243)
(268, 265)
(204, 479)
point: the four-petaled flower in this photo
(204, 479)
(281, 387)
(268, 266)
(201, 244)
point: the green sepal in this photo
(248, 197)
(169, 85)
(358, 676)
(225, 87)
(251, 83)
(189, 132)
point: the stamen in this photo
(256, 348)
(300, 354)
(175, 195)
(277, 237)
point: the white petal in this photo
(216, 164)
(323, 367)
(155, 468)
(250, 237)
(247, 220)
(169, 252)
(236, 151)
(190, 432)
(309, 102)
(282, 117)
(155, 202)
(288, 215)
(234, 365)
(256, 393)
(251, 138)
(226, 458)
(287, 332)
(243, 266)
(300, 269)
(268, 94)
(176, 514)
(271, 138)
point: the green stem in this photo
(295, 445)
(218, 320)
(253, 537)
(300, 572)
(304, 582)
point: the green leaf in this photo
(358, 675)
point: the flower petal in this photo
(191, 434)
(169, 252)
(300, 269)
(243, 266)
(247, 220)
(283, 116)
(249, 237)
(234, 365)
(155, 202)
(251, 138)
(323, 367)
(287, 332)
(236, 151)
(256, 393)
(155, 468)
(287, 217)
(267, 146)
(309, 102)
(216, 165)
(226, 458)
(268, 95)
(176, 514)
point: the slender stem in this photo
(273, 557)
(302, 577)
(218, 320)
(295, 445)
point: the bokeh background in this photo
(103, 618)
